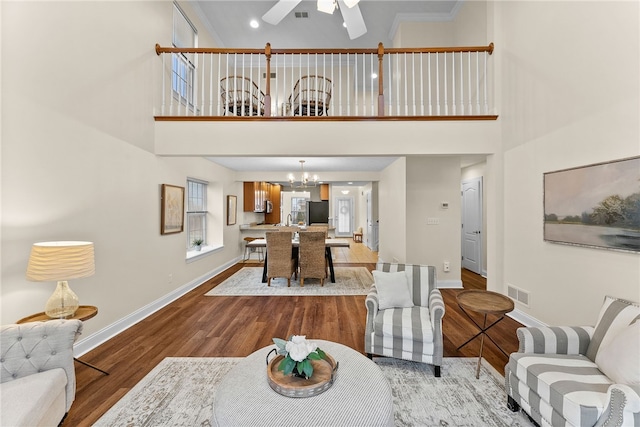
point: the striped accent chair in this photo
(410, 333)
(580, 376)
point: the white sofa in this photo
(580, 376)
(37, 376)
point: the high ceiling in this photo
(228, 23)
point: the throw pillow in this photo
(393, 289)
(619, 359)
(615, 315)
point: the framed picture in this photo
(595, 206)
(232, 203)
(172, 209)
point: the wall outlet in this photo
(170, 277)
(446, 266)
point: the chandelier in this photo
(305, 180)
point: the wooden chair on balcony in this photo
(311, 96)
(241, 96)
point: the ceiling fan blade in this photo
(353, 19)
(279, 11)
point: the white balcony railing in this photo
(417, 82)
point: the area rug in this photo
(248, 281)
(180, 391)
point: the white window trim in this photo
(205, 251)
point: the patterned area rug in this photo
(248, 281)
(180, 392)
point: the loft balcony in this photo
(420, 84)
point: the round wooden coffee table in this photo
(484, 302)
(359, 396)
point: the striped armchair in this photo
(579, 376)
(410, 333)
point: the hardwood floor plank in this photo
(200, 326)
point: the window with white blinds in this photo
(196, 211)
(183, 65)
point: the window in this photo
(183, 65)
(299, 209)
(196, 211)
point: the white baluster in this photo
(470, 106)
(446, 87)
(453, 83)
(478, 83)
(437, 84)
(430, 84)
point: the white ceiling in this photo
(228, 23)
(312, 164)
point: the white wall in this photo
(431, 181)
(570, 98)
(77, 156)
(392, 209)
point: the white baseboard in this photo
(449, 284)
(94, 340)
(525, 319)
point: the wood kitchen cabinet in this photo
(256, 194)
(324, 191)
(273, 217)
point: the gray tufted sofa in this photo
(37, 376)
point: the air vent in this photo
(302, 15)
(272, 75)
(518, 295)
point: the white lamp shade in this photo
(60, 261)
(350, 3)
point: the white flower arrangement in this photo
(298, 353)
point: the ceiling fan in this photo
(350, 13)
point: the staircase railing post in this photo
(380, 79)
(267, 96)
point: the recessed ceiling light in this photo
(254, 23)
(350, 183)
(374, 76)
(344, 24)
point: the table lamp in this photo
(61, 261)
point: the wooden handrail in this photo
(489, 48)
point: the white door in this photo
(472, 225)
(343, 216)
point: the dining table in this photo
(329, 243)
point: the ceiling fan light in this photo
(351, 3)
(326, 6)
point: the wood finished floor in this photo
(199, 326)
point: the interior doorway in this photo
(472, 232)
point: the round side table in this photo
(484, 302)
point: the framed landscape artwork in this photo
(172, 209)
(594, 206)
(232, 202)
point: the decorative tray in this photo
(324, 375)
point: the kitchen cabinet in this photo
(273, 217)
(324, 191)
(256, 194)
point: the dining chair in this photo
(280, 262)
(312, 256)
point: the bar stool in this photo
(248, 250)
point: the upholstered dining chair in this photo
(312, 256)
(280, 262)
(404, 314)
